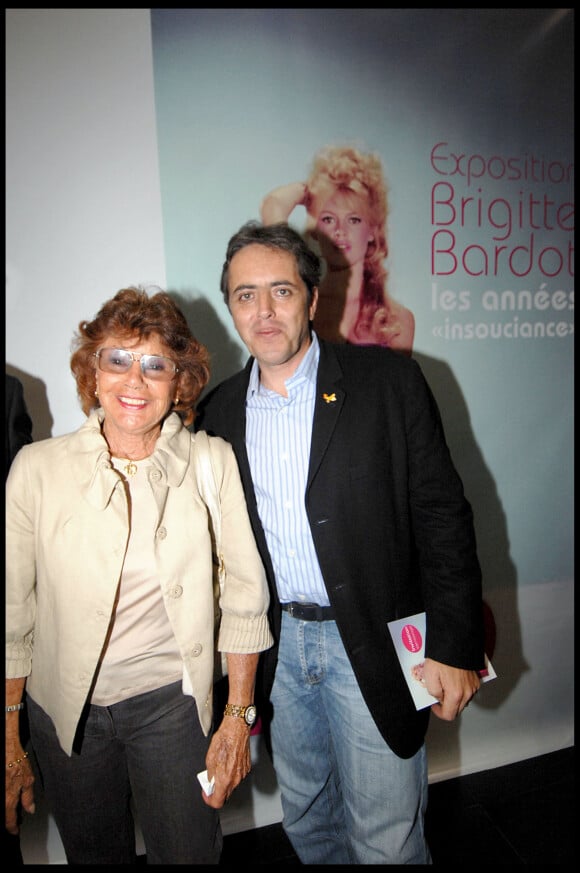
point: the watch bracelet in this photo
(238, 711)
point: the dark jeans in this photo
(148, 748)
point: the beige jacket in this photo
(67, 528)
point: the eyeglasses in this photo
(156, 367)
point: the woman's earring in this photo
(176, 401)
(96, 392)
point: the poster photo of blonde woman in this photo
(346, 201)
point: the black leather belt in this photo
(309, 611)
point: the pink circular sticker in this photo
(411, 638)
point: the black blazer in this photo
(18, 421)
(392, 528)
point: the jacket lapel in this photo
(328, 405)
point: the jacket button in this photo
(175, 591)
(196, 650)
(161, 533)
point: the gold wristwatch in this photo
(248, 713)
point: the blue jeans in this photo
(346, 797)
(149, 749)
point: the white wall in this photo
(83, 205)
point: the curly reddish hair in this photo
(133, 315)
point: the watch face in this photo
(250, 715)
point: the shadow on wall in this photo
(227, 355)
(36, 399)
(503, 631)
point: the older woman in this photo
(110, 599)
(345, 198)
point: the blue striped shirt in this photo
(278, 434)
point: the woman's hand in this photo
(279, 203)
(228, 759)
(19, 776)
(19, 782)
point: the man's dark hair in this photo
(274, 236)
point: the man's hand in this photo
(453, 687)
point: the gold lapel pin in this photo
(330, 398)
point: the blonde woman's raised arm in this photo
(279, 203)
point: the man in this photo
(361, 519)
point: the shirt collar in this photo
(90, 459)
(307, 369)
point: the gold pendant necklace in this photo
(130, 468)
